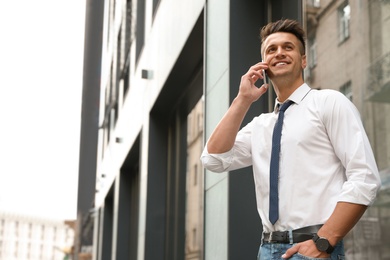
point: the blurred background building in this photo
(159, 75)
(32, 238)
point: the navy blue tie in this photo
(274, 167)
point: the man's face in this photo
(282, 52)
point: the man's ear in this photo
(304, 61)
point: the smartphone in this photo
(265, 79)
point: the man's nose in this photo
(280, 51)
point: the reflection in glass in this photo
(194, 189)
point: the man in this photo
(326, 176)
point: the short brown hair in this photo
(285, 25)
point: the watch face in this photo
(322, 244)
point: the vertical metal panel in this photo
(90, 105)
(244, 224)
(89, 117)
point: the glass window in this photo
(314, 3)
(346, 89)
(129, 30)
(344, 18)
(312, 55)
(360, 69)
(140, 24)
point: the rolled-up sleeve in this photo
(216, 162)
(237, 157)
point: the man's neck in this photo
(284, 88)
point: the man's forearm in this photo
(343, 219)
(223, 137)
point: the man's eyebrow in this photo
(283, 43)
(269, 46)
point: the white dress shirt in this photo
(325, 158)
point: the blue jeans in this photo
(273, 251)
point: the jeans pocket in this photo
(299, 256)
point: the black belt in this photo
(298, 235)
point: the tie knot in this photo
(285, 105)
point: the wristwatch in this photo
(323, 244)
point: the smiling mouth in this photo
(280, 64)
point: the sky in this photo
(41, 64)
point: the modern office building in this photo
(33, 238)
(166, 72)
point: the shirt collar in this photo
(297, 96)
